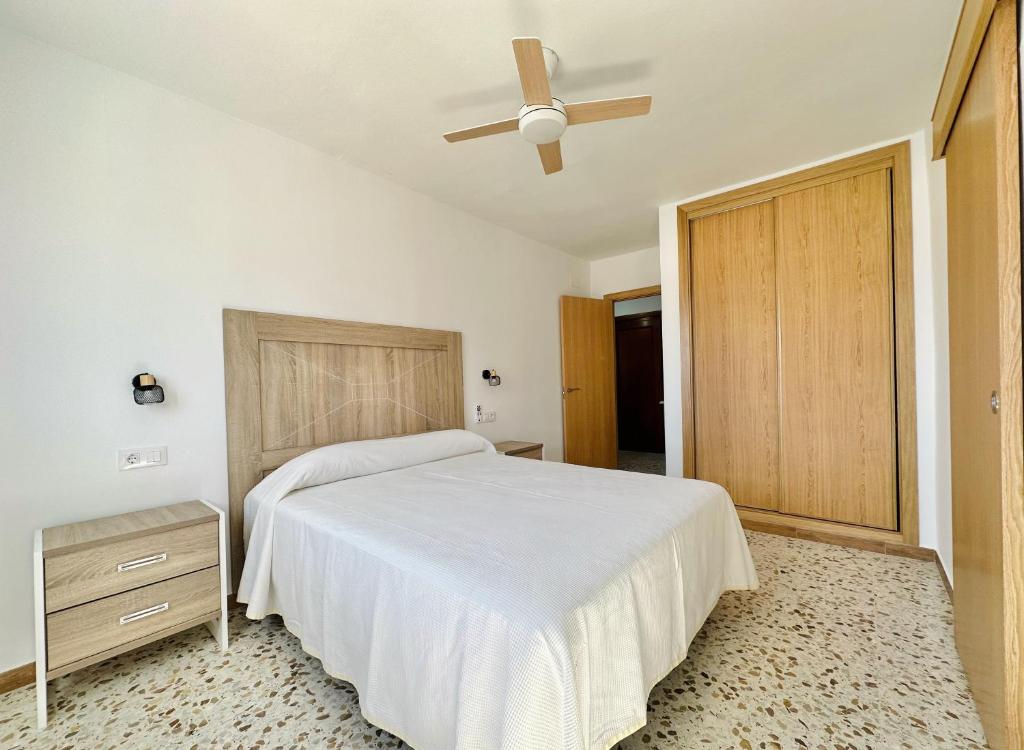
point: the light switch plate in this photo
(141, 458)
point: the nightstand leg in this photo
(218, 627)
(223, 638)
(41, 698)
(40, 627)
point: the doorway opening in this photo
(612, 385)
(639, 383)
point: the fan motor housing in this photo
(543, 123)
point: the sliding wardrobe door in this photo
(836, 356)
(982, 184)
(973, 377)
(736, 407)
(797, 342)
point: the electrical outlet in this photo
(479, 415)
(141, 458)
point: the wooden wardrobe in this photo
(976, 128)
(796, 298)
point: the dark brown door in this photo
(639, 383)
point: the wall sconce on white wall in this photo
(146, 389)
(491, 376)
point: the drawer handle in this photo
(147, 612)
(141, 562)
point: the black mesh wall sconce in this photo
(146, 389)
(491, 376)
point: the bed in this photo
(474, 600)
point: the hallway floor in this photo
(644, 463)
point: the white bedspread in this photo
(486, 602)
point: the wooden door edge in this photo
(1003, 27)
(963, 53)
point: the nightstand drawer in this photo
(107, 569)
(81, 632)
(536, 453)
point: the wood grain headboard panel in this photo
(293, 384)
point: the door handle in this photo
(567, 391)
(993, 402)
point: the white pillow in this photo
(333, 463)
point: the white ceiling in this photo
(741, 88)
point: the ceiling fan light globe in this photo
(550, 62)
(542, 123)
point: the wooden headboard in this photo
(294, 384)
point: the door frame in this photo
(661, 368)
(639, 293)
(896, 158)
(644, 291)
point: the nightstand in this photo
(521, 449)
(110, 585)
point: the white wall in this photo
(930, 312)
(619, 273)
(939, 422)
(639, 305)
(129, 217)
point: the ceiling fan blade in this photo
(550, 157)
(491, 128)
(533, 74)
(607, 109)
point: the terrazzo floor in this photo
(645, 463)
(839, 649)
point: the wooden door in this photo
(982, 171)
(735, 366)
(588, 382)
(639, 379)
(836, 355)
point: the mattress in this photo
(490, 602)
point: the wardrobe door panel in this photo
(834, 266)
(735, 364)
(983, 173)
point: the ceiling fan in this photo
(543, 118)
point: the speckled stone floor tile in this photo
(840, 649)
(645, 463)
